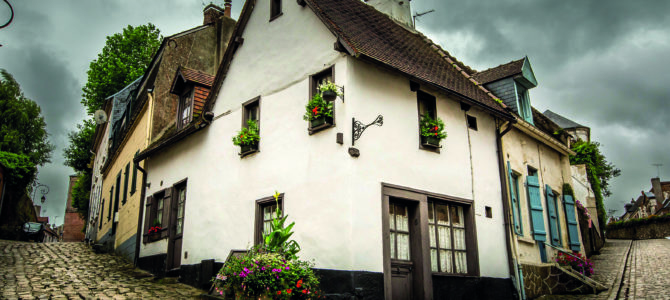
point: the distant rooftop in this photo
(561, 120)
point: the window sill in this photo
(248, 152)
(526, 240)
(313, 130)
(154, 237)
(275, 17)
(429, 148)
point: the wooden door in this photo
(402, 266)
(176, 227)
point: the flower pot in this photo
(329, 95)
(320, 122)
(429, 141)
(248, 148)
(154, 236)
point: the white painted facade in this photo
(96, 185)
(584, 193)
(335, 199)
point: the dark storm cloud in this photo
(602, 63)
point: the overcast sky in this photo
(604, 64)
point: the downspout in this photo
(138, 238)
(508, 229)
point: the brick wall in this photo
(72, 227)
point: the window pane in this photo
(461, 262)
(180, 223)
(457, 216)
(459, 239)
(269, 212)
(431, 233)
(431, 214)
(267, 227)
(159, 217)
(391, 216)
(393, 245)
(160, 203)
(403, 246)
(433, 260)
(401, 221)
(442, 214)
(180, 211)
(445, 261)
(444, 236)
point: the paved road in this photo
(645, 276)
(73, 271)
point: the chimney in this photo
(658, 192)
(212, 13)
(398, 10)
(227, 6)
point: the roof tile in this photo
(500, 72)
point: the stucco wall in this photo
(553, 169)
(583, 192)
(334, 199)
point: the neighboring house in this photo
(654, 202)
(100, 149)
(381, 216)
(579, 132)
(73, 225)
(536, 154)
(146, 115)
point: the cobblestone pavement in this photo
(606, 267)
(73, 271)
(647, 274)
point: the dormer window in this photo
(185, 112)
(525, 111)
(192, 87)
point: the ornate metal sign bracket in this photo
(357, 127)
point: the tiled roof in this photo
(371, 34)
(561, 120)
(43, 219)
(499, 72)
(197, 76)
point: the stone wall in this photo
(657, 230)
(541, 280)
(592, 240)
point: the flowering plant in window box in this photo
(271, 270)
(577, 262)
(329, 91)
(155, 231)
(247, 138)
(432, 131)
(318, 112)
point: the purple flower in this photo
(262, 268)
(286, 268)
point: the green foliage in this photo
(277, 240)
(270, 274)
(81, 193)
(123, 59)
(317, 107)
(22, 126)
(248, 135)
(639, 221)
(329, 86)
(432, 127)
(567, 190)
(21, 171)
(77, 154)
(599, 171)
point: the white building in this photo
(342, 194)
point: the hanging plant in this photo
(432, 131)
(329, 90)
(248, 137)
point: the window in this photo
(472, 122)
(251, 110)
(133, 184)
(111, 196)
(156, 215)
(125, 183)
(427, 107)
(102, 210)
(185, 111)
(158, 219)
(318, 79)
(399, 228)
(448, 250)
(525, 110)
(275, 9)
(181, 200)
(266, 210)
(514, 194)
(314, 82)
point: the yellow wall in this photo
(128, 212)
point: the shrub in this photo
(639, 221)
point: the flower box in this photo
(429, 141)
(320, 122)
(246, 149)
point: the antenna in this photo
(419, 14)
(100, 117)
(658, 169)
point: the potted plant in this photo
(432, 131)
(329, 91)
(318, 112)
(247, 138)
(155, 230)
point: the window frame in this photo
(514, 188)
(275, 9)
(471, 122)
(133, 182)
(451, 227)
(125, 184)
(186, 96)
(256, 101)
(163, 195)
(258, 222)
(313, 85)
(176, 188)
(421, 97)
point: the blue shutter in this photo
(554, 231)
(513, 190)
(536, 212)
(572, 222)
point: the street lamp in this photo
(43, 188)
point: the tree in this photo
(77, 154)
(22, 126)
(124, 58)
(81, 193)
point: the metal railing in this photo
(570, 254)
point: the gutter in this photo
(506, 209)
(542, 137)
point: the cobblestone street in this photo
(646, 275)
(73, 271)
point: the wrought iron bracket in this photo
(357, 127)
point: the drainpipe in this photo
(138, 238)
(508, 229)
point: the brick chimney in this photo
(658, 192)
(227, 6)
(399, 10)
(212, 13)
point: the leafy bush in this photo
(248, 135)
(432, 127)
(639, 221)
(579, 263)
(317, 107)
(21, 170)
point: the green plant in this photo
(157, 222)
(248, 135)
(432, 127)
(639, 221)
(317, 107)
(331, 87)
(577, 262)
(277, 240)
